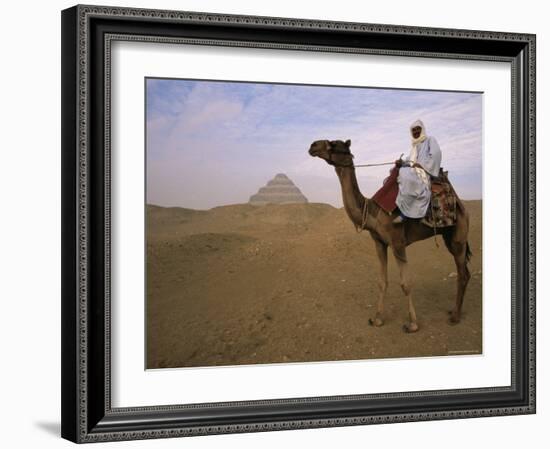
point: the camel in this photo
(366, 214)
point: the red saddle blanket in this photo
(386, 196)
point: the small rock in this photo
(452, 274)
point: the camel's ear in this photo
(347, 143)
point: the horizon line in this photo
(263, 205)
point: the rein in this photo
(331, 162)
(375, 165)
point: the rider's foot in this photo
(398, 219)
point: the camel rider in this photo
(415, 174)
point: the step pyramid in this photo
(280, 190)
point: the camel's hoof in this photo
(377, 322)
(453, 320)
(410, 328)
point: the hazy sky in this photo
(214, 143)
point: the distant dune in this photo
(243, 284)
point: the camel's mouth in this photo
(317, 147)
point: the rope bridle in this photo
(364, 217)
(365, 209)
(351, 164)
(331, 162)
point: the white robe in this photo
(414, 194)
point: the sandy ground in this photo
(293, 283)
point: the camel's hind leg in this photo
(401, 259)
(382, 253)
(461, 254)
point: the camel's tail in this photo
(468, 252)
(448, 239)
(462, 209)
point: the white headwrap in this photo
(422, 136)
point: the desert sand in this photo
(243, 284)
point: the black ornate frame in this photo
(87, 33)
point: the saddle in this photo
(443, 204)
(442, 209)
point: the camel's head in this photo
(334, 152)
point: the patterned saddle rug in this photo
(442, 209)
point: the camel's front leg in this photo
(401, 258)
(382, 253)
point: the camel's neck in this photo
(352, 196)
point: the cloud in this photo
(211, 143)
